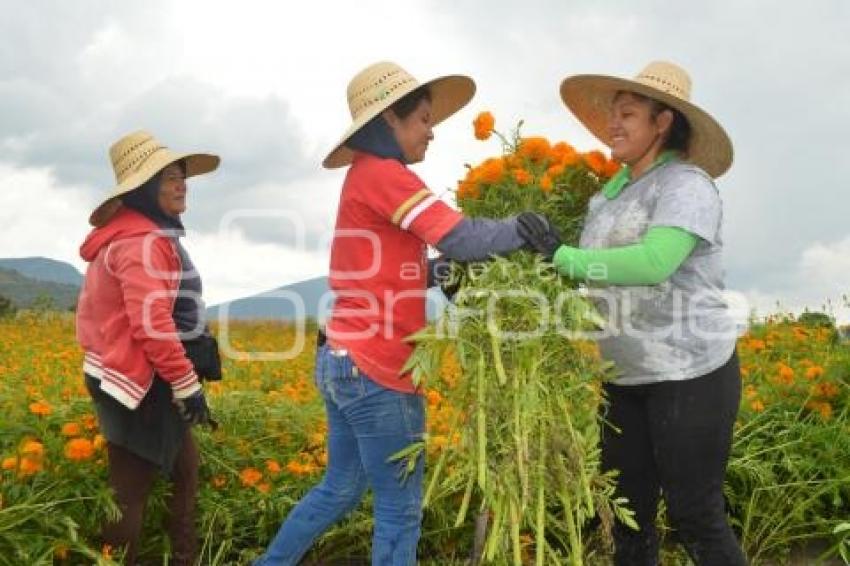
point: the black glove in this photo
(540, 234)
(440, 271)
(194, 409)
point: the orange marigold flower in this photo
(826, 389)
(218, 482)
(99, 442)
(71, 429)
(546, 184)
(564, 154)
(79, 449)
(40, 408)
(555, 170)
(250, 476)
(814, 372)
(32, 448)
(756, 405)
(611, 168)
(295, 467)
(490, 171)
(29, 466)
(264, 487)
(273, 467)
(822, 407)
(596, 160)
(10, 463)
(434, 397)
(483, 125)
(534, 148)
(756, 345)
(89, 421)
(786, 374)
(467, 189)
(522, 176)
(750, 392)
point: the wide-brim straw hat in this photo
(136, 158)
(379, 86)
(590, 98)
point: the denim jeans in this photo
(367, 423)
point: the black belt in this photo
(321, 338)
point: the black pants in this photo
(674, 440)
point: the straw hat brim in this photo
(196, 164)
(589, 98)
(449, 94)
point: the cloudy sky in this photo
(263, 85)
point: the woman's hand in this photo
(194, 409)
(540, 234)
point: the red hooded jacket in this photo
(124, 314)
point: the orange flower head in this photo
(99, 442)
(273, 467)
(218, 482)
(434, 397)
(32, 448)
(814, 372)
(596, 160)
(522, 176)
(491, 171)
(786, 374)
(89, 421)
(79, 449)
(484, 124)
(71, 429)
(564, 154)
(40, 408)
(611, 168)
(534, 148)
(546, 184)
(467, 189)
(10, 463)
(29, 466)
(756, 405)
(250, 476)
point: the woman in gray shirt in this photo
(651, 245)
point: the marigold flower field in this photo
(789, 478)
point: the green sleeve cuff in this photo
(649, 262)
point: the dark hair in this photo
(405, 106)
(679, 136)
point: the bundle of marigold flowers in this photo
(526, 461)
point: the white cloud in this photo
(41, 217)
(231, 267)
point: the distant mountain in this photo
(26, 292)
(44, 269)
(311, 298)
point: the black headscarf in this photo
(377, 138)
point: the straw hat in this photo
(589, 97)
(136, 158)
(378, 86)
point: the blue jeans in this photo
(367, 423)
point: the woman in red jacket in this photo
(140, 297)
